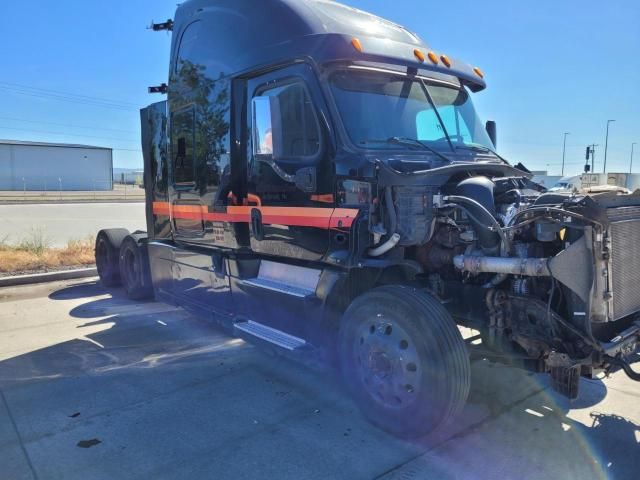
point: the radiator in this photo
(625, 260)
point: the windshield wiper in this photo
(411, 142)
(481, 148)
(437, 112)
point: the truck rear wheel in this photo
(134, 269)
(107, 249)
(404, 360)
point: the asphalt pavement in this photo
(60, 223)
(93, 385)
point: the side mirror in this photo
(267, 129)
(490, 126)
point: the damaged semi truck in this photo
(319, 182)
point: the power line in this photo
(67, 97)
(13, 119)
(70, 100)
(67, 134)
(58, 92)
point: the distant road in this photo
(63, 222)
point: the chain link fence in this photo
(48, 188)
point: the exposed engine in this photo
(553, 279)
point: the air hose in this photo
(394, 238)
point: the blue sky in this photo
(551, 66)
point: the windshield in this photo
(377, 106)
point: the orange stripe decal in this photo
(324, 218)
(324, 198)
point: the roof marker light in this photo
(419, 55)
(478, 72)
(433, 57)
(445, 60)
(356, 44)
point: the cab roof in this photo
(249, 34)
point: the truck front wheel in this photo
(403, 359)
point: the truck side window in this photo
(182, 143)
(284, 123)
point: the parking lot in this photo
(96, 386)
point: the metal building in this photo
(54, 166)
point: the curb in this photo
(48, 277)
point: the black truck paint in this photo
(318, 182)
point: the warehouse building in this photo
(54, 166)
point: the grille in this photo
(625, 260)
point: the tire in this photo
(107, 250)
(134, 269)
(403, 360)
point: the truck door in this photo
(188, 222)
(199, 275)
(290, 179)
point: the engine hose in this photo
(631, 373)
(457, 200)
(386, 246)
(505, 246)
(393, 240)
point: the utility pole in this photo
(631, 161)
(606, 144)
(564, 148)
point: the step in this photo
(268, 334)
(276, 286)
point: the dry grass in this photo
(34, 254)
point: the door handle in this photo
(256, 224)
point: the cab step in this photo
(276, 286)
(271, 335)
(291, 280)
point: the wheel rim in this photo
(387, 362)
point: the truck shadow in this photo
(117, 355)
(530, 431)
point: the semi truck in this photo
(319, 183)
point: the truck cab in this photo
(319, 182)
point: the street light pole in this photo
(631, 161)
(606, 144)
(564, 147)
